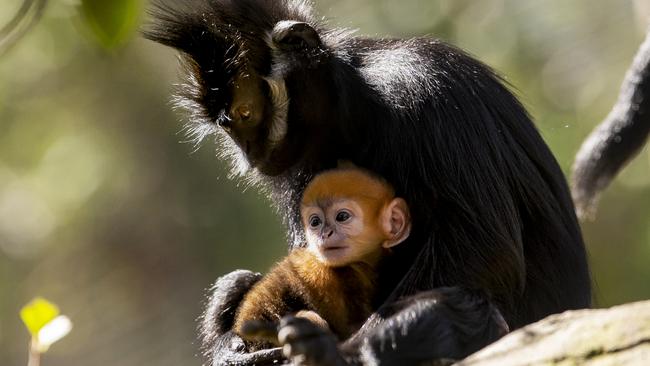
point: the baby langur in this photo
(351, 220)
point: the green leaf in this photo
(37, 313)
(112, 22)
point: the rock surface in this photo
(615, 336)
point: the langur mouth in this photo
(327, 249)
(332, 250)
(258, 157)
(267, 168)
(334, 255)
(272, 162)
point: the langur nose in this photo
(326, 233)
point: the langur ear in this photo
(396, 222)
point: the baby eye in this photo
(343, 216)
(315, 221)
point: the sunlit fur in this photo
(280, 101)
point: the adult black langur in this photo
(618, 138)
(493, 222)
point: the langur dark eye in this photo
(343, 216)
(314, 221)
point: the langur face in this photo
(338, 233)
(256, 116)
(350, 216)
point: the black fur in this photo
(492, 212)
(225, 296)
(441, 324)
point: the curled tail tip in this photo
(586, 207)
(586, 188)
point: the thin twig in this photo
(34, 354)
(29, 14)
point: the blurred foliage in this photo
(26, 16)
(113, 22)
(103, 210)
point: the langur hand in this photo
(230, 350)
(308, 344)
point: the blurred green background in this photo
(104, 209)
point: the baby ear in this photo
(396, 222)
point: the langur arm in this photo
(228, 349)
(220, 345)
(445, 323)
(226, 295)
